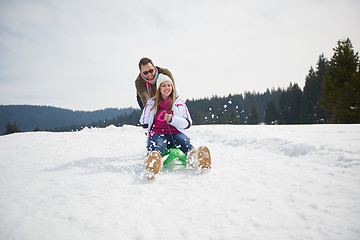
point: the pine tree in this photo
(341, 85)
(8, 128)
(289, 106)
(320, 115)
(233, 117)
(15, 128)
(12, 128)
(311, 112)
(271, 115)
(309, 98)
(254, 118)
(199, 118)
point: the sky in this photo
(84, 54)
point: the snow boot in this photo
(204, 158)
(191, 158)
(153, 165)
(199, 158)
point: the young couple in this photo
(166, 119)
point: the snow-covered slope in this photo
(267, 182)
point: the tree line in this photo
(331, 95)
(131, 118)
(46, 118)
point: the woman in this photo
(166, 119)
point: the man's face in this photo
(148, 71)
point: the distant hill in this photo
(29, 117)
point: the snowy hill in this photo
(267, 182)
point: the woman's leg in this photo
(158, 142)
(183, 142)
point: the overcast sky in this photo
(83, 55)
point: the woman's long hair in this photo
(158, 99)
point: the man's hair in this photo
(145, 61)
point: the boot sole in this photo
(153, 165)
(204, 158)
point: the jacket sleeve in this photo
(145, 116)
(141, 90)
(180, 122)
(181, 118)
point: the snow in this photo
(266, 182)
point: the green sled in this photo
(174, 153)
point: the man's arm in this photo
(141, 91)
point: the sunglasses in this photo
(147, 72)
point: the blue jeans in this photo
(159, 142)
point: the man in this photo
(145, 83)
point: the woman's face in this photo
(165, 89)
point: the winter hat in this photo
(163, 78)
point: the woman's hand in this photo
(167, 117)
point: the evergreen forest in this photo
(331, 95)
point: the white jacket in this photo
(181, 119)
